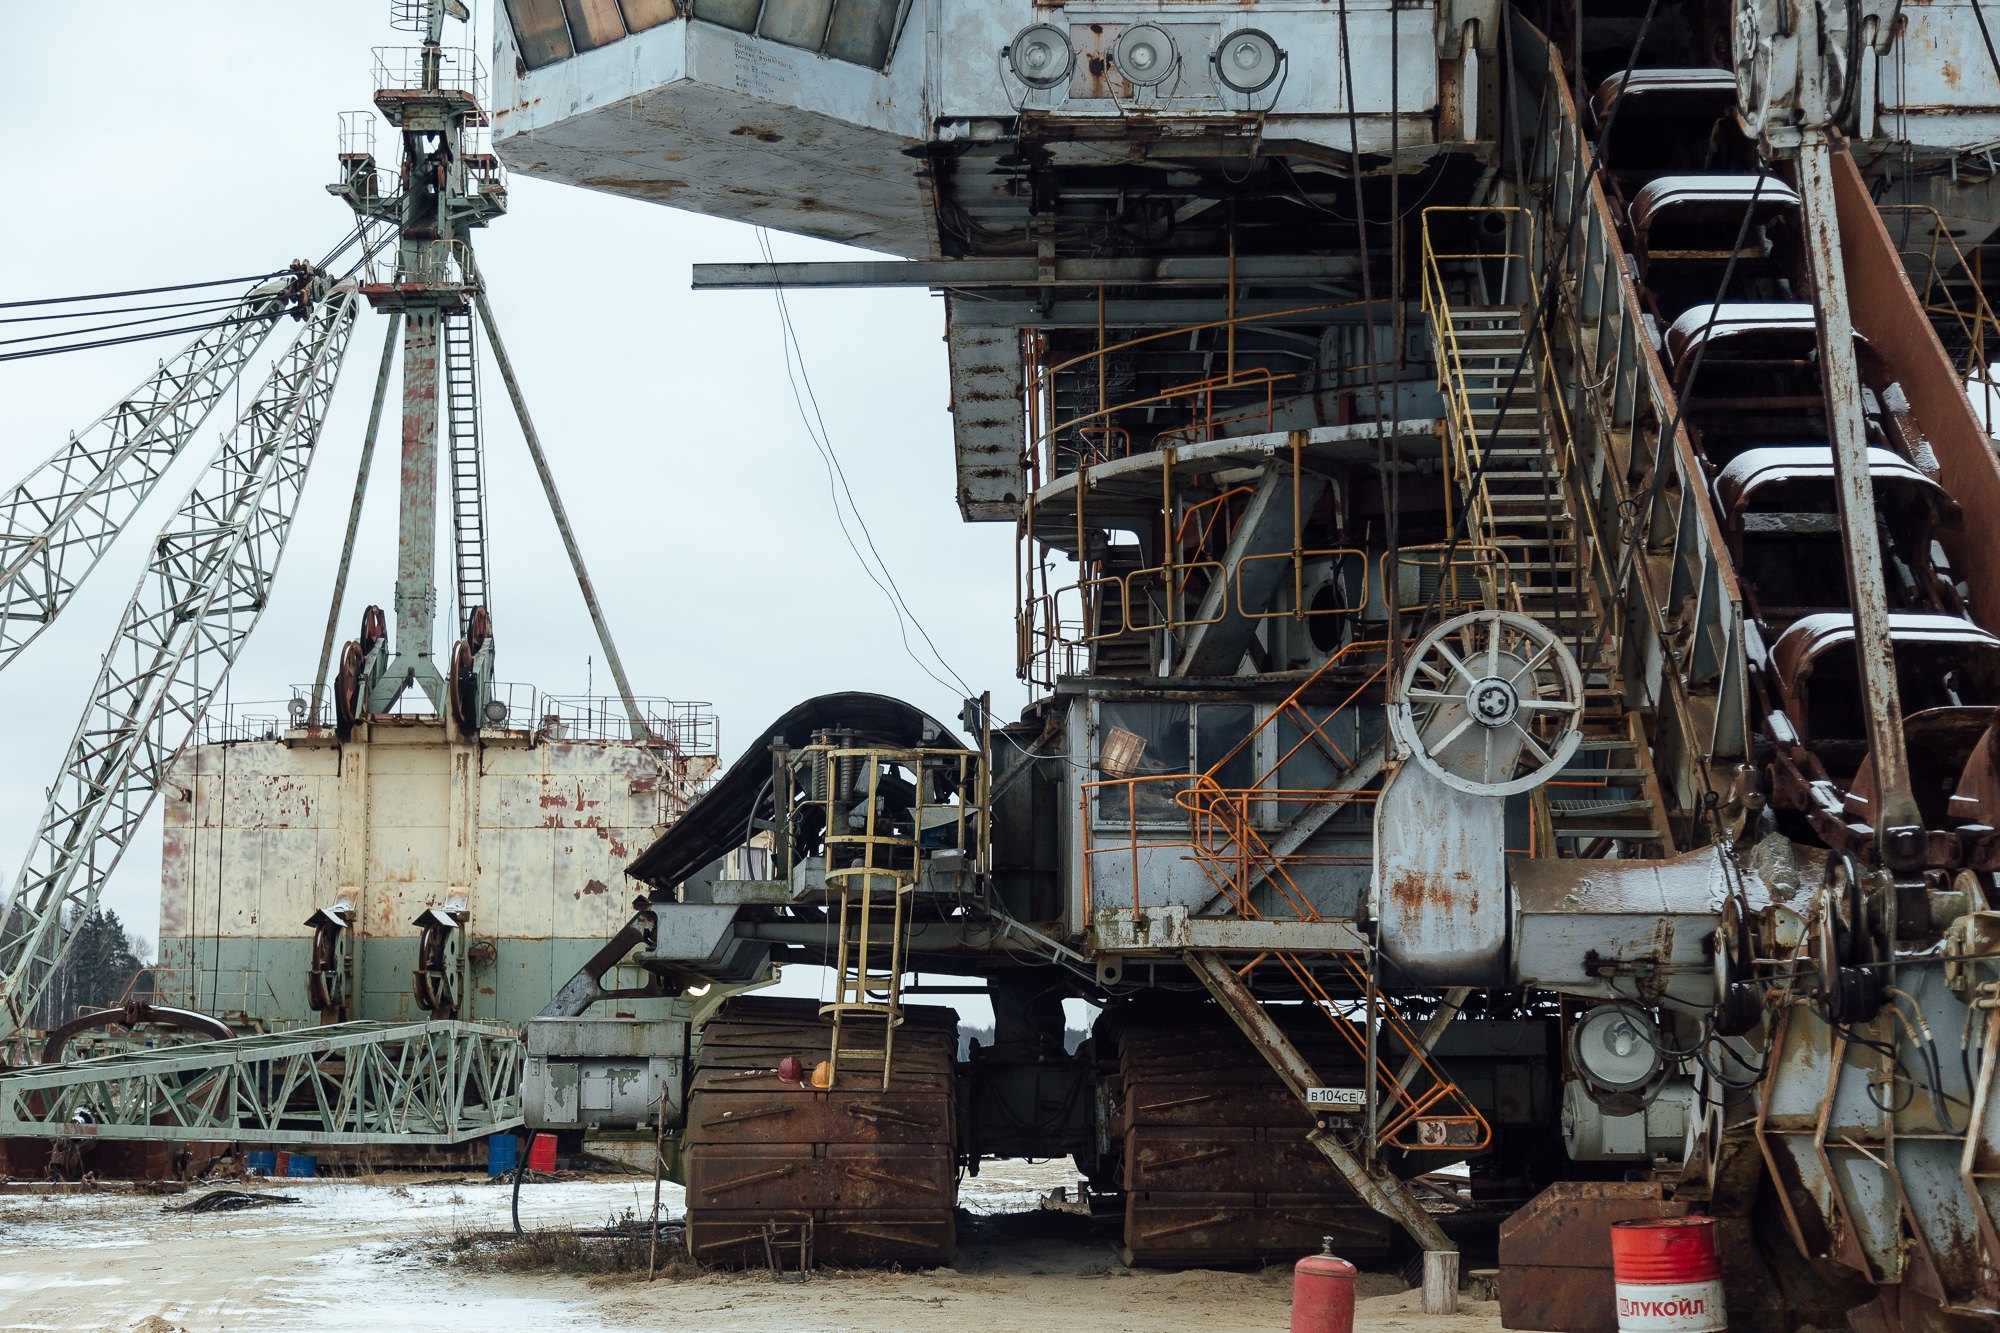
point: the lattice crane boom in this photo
(61, 519)
(205, 586)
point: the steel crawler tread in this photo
(861, 1175)
(1214, 1159)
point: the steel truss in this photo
(350, 1083)
(61, 519)
(205, 586)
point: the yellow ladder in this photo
(875, 890)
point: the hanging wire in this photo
(205, 303)
(141, 291)
(877, 570)
(196, 329)
(371, 236)
(104, 328)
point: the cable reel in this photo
(472, 674)
(1491, 703)
(440, 972)
(329, 984)
(1739, 1004)
(1842, 940)
(360, 663)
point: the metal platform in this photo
(438, 1082)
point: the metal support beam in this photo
(350, 1083)
(416, 527)
(1026, 272)
(1899, 826)
(1454, 1000)
(207, 581)
(354, 518)
(561, 515)
(61, 519)
(1379, 1189)
(1176, 313)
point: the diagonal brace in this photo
(1380, 1190)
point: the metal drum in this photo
(1668, 1276)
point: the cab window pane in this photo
(1144, 745)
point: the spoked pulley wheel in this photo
(1491, 703)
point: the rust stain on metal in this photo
(659, 188)
(1555, 1253)
(870, 1172)
(1414, 891)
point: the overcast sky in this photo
(160, 143)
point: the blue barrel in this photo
(263, 1163)
(302, 1167)
(503, 1152)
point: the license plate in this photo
(1336, 1097)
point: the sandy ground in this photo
(352, 1256)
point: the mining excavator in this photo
(1507, 595)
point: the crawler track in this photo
(861, 1175)
(1214, 1159)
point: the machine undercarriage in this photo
(1505, 599)
(1505, 616)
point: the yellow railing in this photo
(1226, 840)
(1934, 262)
(1534, 390)
(872, 867)
(1452, 353)
(1055, 625)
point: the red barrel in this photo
(1323, 1293)
(1668, 1275)
(542, 1153)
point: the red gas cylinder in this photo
(1323, 1293)
(1668, 1275)
(542, 1153)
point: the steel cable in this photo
(142, 291)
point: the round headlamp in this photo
(1145, 54)
(1040, 56)
(1614, 1048)
(1247, 61)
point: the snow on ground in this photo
(354, 1257)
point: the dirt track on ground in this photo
(367, 1258)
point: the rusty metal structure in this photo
(1510, 633)
(359, 881)
(343, 1084)
(1506, 607)
(408, 836)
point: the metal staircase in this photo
(1507, 429)
(1510, 475)
(1117, 650)
(468, 468)
(1606, 801)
